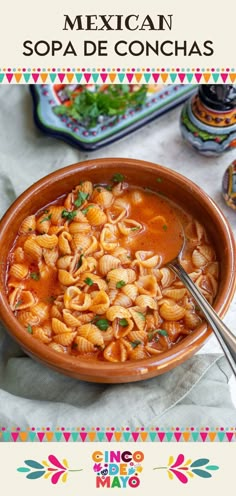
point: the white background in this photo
(44, 20)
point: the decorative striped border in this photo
(117, 75)
(123, 434)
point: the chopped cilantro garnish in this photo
(137, 228)
(108, 187)
(46, 218)
(68, 215)
(91, 107)
(162, 332)
(120, 284)
(123, 322)
(35, 276)
(80, 261)
(153, 335)
(102, 324)
(74, 346)
(141, 315)
(159, 180)
(85, 210)
(81, 197)
(135, 343)
(164, 227)
(18, 303)
(88, 281)
(118, 178)
(29, 329)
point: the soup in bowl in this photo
(85, 286)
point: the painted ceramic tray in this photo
(46, 98)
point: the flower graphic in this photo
(131, 471)
(52, 469)
(184, 469)
(97, 467)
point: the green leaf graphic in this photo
(23, 469)
(33, 464)
(200, 462)
(212, 467)
(201, 473)
(36, 475)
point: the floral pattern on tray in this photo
(112, 111)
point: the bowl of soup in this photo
(85, 287)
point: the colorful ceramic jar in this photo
(229, 185)
(208, 119)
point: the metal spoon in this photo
(225, 337)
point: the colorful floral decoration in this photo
(184, 469)
(53, 469)
(119, 469)
(208, 119)
(97, 127)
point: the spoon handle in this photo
(225, 337)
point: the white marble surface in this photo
(158, 142)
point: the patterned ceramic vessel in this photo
(208, 119)
(159, 100)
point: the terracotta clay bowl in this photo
(178, 189)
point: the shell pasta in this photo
(86, 274)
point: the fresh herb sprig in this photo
(89, 107)
(102, 324)
(35, 276)
(48, 217)
(81, 198)
(68, 215)
(120, 284)
(123, 322)
(118, 178)
(88, 281)
(154, 335)
(134, 344)
(18, 304)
